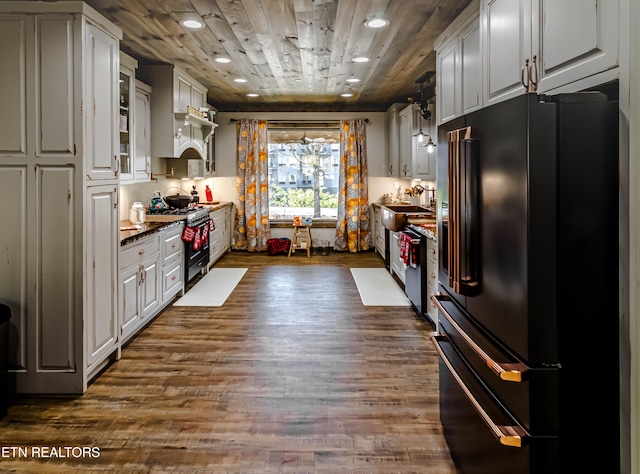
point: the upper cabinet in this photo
(134, 124)
(526, 45)
(415, 160)
(179, 128)
(498, 49)
(142, 132)
(128, 66)
(459, 66)
(393, 140)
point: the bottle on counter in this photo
(208, 193)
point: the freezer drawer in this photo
(481, 435)
(528, 393)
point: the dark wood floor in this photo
(291, 374)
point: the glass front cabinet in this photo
(128, 65)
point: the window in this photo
(303, 170)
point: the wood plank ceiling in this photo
(296, 54)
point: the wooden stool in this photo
(301, 239)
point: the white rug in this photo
(213, 289)
(378, 288)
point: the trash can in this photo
(5, 316)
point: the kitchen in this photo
(103, 198)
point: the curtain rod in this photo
(293, 122)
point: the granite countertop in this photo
(141, 231)
(144, 230)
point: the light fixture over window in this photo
(346, 94)
(252, 94)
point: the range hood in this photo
(177, 101)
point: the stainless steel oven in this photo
(196, 254)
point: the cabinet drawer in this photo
(132, 254)
(171, 280)
(172, 246)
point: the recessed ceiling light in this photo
(360, 59)
(252, 94)
(222, 59)
(377, 23)
(353, 79)
(346, 94)
(240, 79)
(192, 24)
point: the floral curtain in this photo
(251, 230)
(353, 229)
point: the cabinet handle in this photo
(524, 74)
(173, 277)
(141, 251)
(391, 169)
(433, 251)
(173, 246)
(433, 275)
(533, 72)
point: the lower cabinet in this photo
(172, 263)
(397, 266)
(151, 274)
(139, 284)
(378, 231)
(220, 237)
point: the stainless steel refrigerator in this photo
(528, 285)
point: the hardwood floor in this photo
(291, 374)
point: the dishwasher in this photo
(415, 285)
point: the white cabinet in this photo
(139, 284)
(101, 300)
(526, 41)
(405, 142)
(378, 231)
(101, 73)
(393, 140)
(396, 265)
(459, 66)
(416, 162)
(172, 263)
(126, 117)
(220, 237)
(142, 132)
(58, 149)
(174, 130)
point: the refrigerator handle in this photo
(507, 371)
(469, 222)
(462, 237)
(513, 436)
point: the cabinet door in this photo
(405, 141)
(506, 44)
(448, 82)
(150, 287)
(142, 132)
(424, 163)
(393, 140)
(470, 68)
(591, 48)
(102, 92)
(101, 252)
(126, 120)
(129, 296)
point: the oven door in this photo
(196, 261)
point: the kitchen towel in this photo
(378, 288)
(213, 289)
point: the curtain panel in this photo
(353, 225)
(251, 230)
